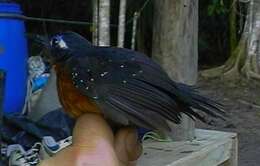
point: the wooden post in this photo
(95, 22)
(136, 15)
(121, 27)
(104, 23)
(175, 47)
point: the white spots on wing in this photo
(87, 88)
(124, 81)
(92, 79)
(74, 74)
(103, 74)
(134, 75)
(141, 71)
(88, 70)
(81, 81)
(95, 97)
(122, 66)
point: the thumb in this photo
(92, 144)
(90, 129)
(93, 137)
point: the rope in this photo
(155, 137)
(17, 16)
(138, 12)
(62, 21)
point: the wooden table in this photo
(210, 148)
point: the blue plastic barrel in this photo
(13, 57)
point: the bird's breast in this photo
(74, 102)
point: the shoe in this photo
(19, 157)
(40, 151)
(51, 147)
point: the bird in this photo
(124, 86)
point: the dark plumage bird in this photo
(125, 86)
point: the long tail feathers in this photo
(190, 101)
(201, 103)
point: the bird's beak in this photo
(42, 41)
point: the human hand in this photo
(95, 145)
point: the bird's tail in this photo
(195, 105)
(187, 99)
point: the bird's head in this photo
(64, 45)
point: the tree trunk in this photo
(251, 67)
(145, 30)
(104, 22)
(121, 27)
(175, 47)
(244, 60)
(95, 22)
(232, 27)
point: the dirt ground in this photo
(242, 103)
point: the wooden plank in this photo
(210, 148)
(233, 160)
(211, 155)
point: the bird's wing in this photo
(131, 87)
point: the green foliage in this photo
(217, 7)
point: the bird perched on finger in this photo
(125, 86)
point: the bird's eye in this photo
(58, 42)
(54, 42)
